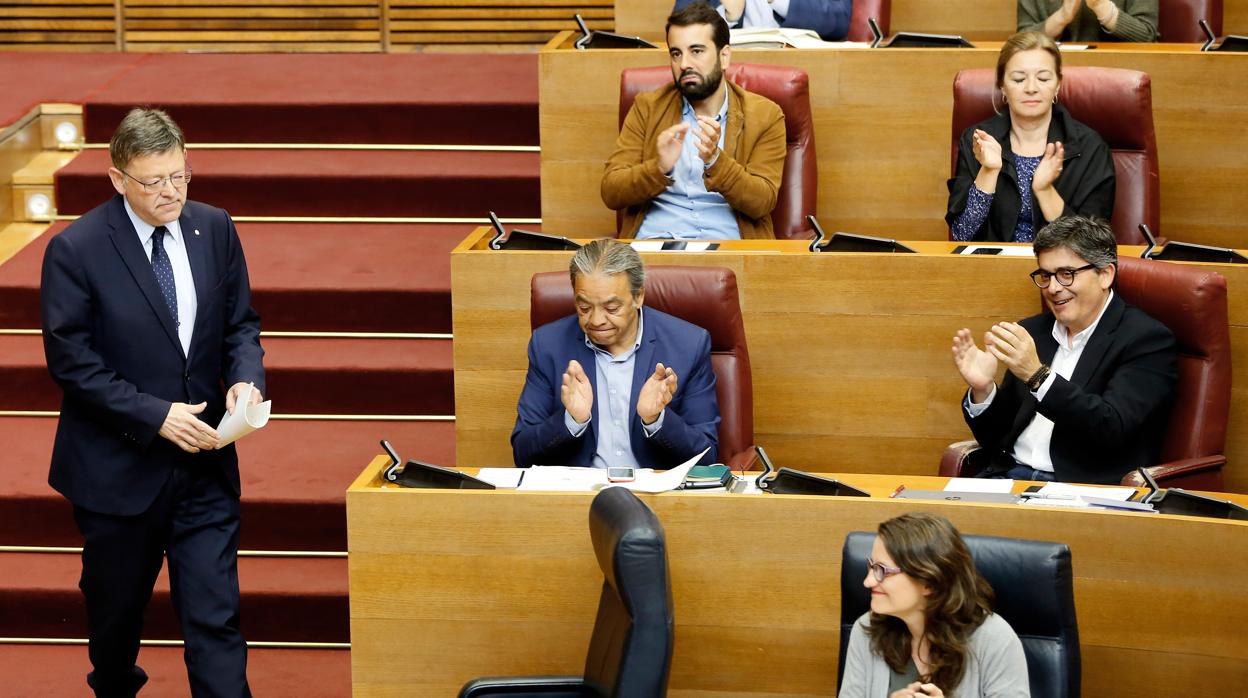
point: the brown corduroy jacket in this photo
(747, 172)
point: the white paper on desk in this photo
(656, 245)
(245, 419)
(561, 478)
(979, 484)
(1121, 494)
(502, 478)
(1006, 250)
(652, 482)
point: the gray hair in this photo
(1090, 238)
(144, 131)
(609, 257)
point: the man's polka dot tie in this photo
(164, 271)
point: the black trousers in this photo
(194, 522)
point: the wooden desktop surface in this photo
(850, 353)
(973, 19)
(449, 585)
(883, 135)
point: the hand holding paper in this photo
(248, 415)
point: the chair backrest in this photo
(704, 296)
(790, 89)
(630, 652)
(1177, 20)
(1114, 102)
(1034, 593)
(1191, 301)
(863, 10)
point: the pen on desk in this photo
(1037, 495)
(899, 490)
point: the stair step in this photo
(282, 599)
(330, 98)
(294, 474)
(304, 375)
(335, 183)
(327, 277)
(61, 670)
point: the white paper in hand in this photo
(246, 418)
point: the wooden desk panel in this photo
(882, 124)
(849, 352)
(450, 585)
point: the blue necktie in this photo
(164, 272)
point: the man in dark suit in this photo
(146, 319)
(617, 384)
(1089, 384)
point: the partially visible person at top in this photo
(827, 18)
(1090, 20)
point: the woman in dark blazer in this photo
(1032, 163)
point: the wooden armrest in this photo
(957, 462)
(745, 460)
(1203, 473)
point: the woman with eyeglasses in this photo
(931, 632)
(1031, 163)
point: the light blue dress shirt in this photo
(686, 209)
(183, 282)
(612, 394)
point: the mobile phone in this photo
(620, 475)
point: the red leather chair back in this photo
(787, 87)
(1117, 104)
(1191, 301)
(859, 30)
(704, 296)
(1176, 20)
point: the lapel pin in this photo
(197, 231)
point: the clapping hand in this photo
(1013, 346)
(987, 150)
(670, 142)
(707, 135)
(1050, 167)
(978, 367)
(576, 393)
(656, 393)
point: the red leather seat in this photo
(1177, 20)
(1117, 104)
(862, 10)
(1191, 301)
(787, 87)
(706, 297)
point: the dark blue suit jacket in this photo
(691, 420)
(828, 18)
(111, 345)
(1110, 417)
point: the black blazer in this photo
(1110, 417)
(111, 345)
(1086, 183)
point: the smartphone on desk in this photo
(621, 475)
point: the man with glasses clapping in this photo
(1088, 384)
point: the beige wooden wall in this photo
(288, 25)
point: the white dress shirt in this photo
(175, 248)
(1032, 446)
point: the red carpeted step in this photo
(295, 475)
(486, 99)
(329, 277)
(284, 599)
(30, 78)
(60, 671)
(304, 376)
(335, 182)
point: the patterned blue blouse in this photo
(978, 203)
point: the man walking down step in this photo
(147, 318)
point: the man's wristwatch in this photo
(1037, 379)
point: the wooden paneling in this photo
(227, 25)
(489, 21)
(58, 25)
(450, 585)
(882, 134)
(849, 352)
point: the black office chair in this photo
(630, 652)
(1033, 585)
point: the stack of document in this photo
(558, 478)
(1062, 494)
